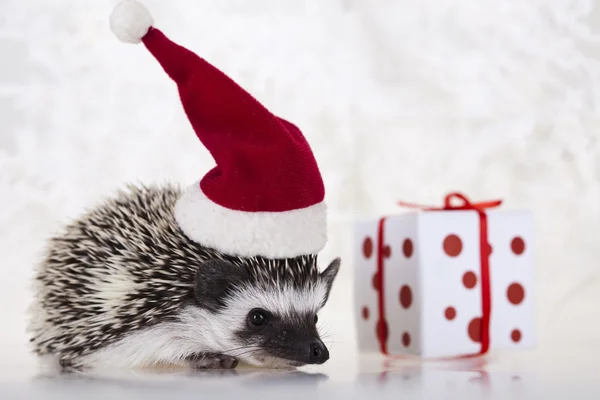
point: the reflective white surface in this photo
(516, 376)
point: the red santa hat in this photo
(265, 196)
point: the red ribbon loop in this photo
(465, 204)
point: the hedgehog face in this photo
(270, 312)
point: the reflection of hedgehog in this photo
(225, 270)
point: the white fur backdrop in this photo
(400, 99)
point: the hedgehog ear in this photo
(215, 279)
(329, 275)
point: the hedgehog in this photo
(206, 276)
(124, 286)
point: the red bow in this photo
(466, 204)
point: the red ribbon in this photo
(382, 327)
(485, 249)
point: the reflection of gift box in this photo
(445, 282)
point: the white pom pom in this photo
(130, 21)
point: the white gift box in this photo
(445, 282)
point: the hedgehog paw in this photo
(212, 361)
(68, 365)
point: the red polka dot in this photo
(365, 313)
(387, 251)
(489, 249)
(452, 245)
(515, 293)
(405, 296)
(450, 313)
(382, 330)
(406, 339)
(517, 245)
(367, 247)
(376, 282)
(475, 330)
(407, 248)
(515, 335)
(469, 279)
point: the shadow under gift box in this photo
(445, 283)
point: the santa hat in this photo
(265, 196)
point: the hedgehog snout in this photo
(293, 338)
(317, 352)
(310, 351)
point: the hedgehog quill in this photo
(204, 276)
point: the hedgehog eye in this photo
(316, 319)
(258, 317)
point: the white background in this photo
(401, 100)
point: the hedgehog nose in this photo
(318, 352)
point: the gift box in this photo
(449, 281)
